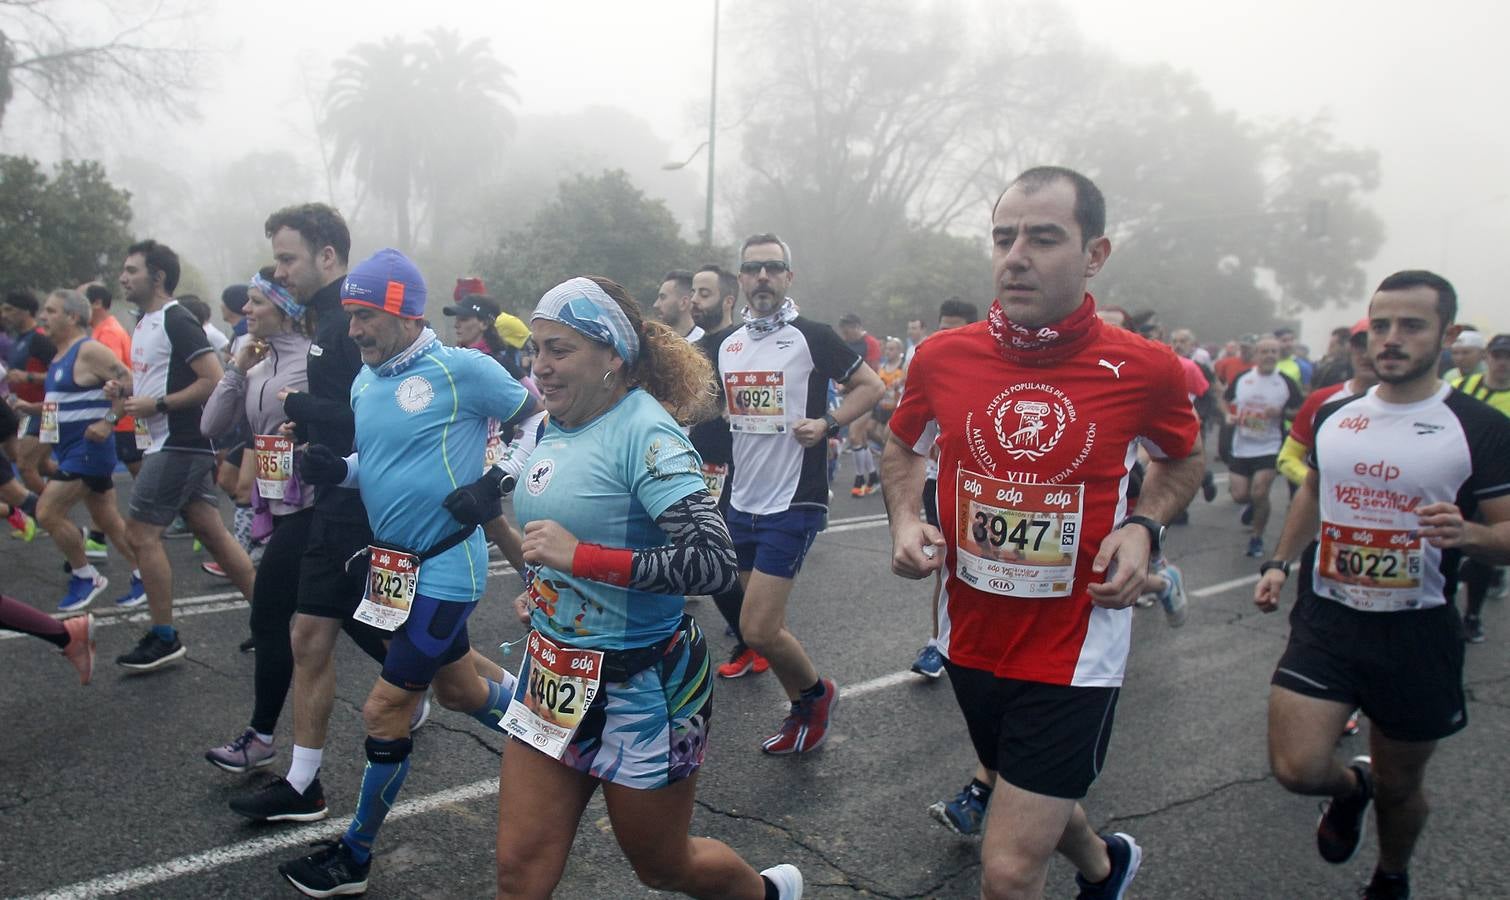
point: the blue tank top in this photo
(77, 409)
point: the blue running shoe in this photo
(930, 662)
(965, 814)
(1126, 856)
(1173, 598)
(82, 591)
(1255, 548)
(135, 597)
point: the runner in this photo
(775, 369)
(1292, 455)
(30, 356)
(857, 437)
(613, 467)
(1493, 387)
(77, 421)
(173, 371)
(74, 636)
(104, 328)
(1261, 399)
(1036, 441)
(673, 305)
(1398, 476)
(421, 412)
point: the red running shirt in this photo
(1033, 472)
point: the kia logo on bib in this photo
(1002, 585)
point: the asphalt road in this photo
(103, 790)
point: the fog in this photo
(1415, 83)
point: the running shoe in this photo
(277, 801)
(930, 662)
(1125, 856)
(244, 753)
(787, 879)
(806, 726)
(328, 872)
(1344, 820)
(1473, 629)
(1247, 517)
(135, 597)
(421, 714)
(211, 567)
(249, 645)
(81, 592)
(1386, 887)
(966, 813)
(80, 647)
(1256, 547)
(1351, 728)
(95, 549)
(23, 526)
(1208, 486)
(1173, 597)
(152, 652)
(742, 662)
(177, 530)
(858, 491)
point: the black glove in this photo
(482, 500)
(320, 465)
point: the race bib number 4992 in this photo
(1017, 540)
(757, 402)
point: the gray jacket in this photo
(253, 395)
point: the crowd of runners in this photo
(623, 458)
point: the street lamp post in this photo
(710, 142)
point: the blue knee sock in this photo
(491, 712)
(387, 764)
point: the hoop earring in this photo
(606, 376)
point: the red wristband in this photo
(610, 565)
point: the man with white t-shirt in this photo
(1260, 399)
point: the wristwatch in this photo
(1280, 564)
(1156, 531)
(112, 418)
(162, 404)
(833, 424)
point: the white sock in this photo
(264, 738)
(136, 573)
(305, 766)
(86, 571)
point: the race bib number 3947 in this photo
(757, 402)
(1017, 540)
(556, 686)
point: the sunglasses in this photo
(774, 266)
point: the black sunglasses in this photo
(774, 266)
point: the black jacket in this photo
(322, 415)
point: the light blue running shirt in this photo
(420, 434)
(606, 483)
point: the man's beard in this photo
(1411, 374)
(707, 319)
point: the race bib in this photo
(49, 430)
(496, 447)
(143, 436)
(1371, 568)
(757, 402)
(714, 475)
(275, 463)
(556, 686)
(1017, 540)
(1254, 423)
(392, 578)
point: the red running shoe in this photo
(806, 726)
(80, 649)
(743, 661)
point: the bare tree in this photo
(70, 59)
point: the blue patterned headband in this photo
(279, 296)
(582, 306)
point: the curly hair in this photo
(670, 368)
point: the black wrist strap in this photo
(1279, 564)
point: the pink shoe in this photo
(80, 649)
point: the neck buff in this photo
(760, 326)
(404, 360)
(1047, 343)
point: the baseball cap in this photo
(512, 329)
(387, 281)
(1359, 327)
(475, 306)
(1500, 343)
(1471, 340)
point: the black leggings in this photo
(275, 597)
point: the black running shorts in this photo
(1049, 739)
(1248, 466)
(1403, 669)
(326, 588)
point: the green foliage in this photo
(598, 225)
(63, 230)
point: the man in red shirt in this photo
(1040, 563)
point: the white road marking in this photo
(1220, 586)
(133, 879)
(850, 691)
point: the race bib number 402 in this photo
(1017, 540)
(556, 686)
(757, 402)
(1371, 568)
